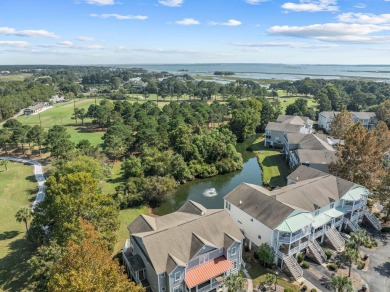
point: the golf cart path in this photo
(39, 176)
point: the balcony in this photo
(294, 237)
(319, 233)
(298, 248)
(338, 222)
(210, 287)
(350, 206)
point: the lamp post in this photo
(276, 278)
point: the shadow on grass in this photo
(14, 271)
(8, 234)
(277, 161)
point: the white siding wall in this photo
(323, 122)
(252, 229)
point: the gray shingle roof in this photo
(180, 234)
(309, 141)
(304, 173)
(283, 127)
(316, 156)
(296, 120)
(257, 202)
(359, 115)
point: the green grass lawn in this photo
(272, 163)
(257, 273)
(17, 189)
(286, 101)
(15, 77)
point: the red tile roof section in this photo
(204, 272)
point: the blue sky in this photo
(194, 31)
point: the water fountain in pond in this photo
(212, 192)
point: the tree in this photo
(5, 138)
(5, 164)
(37, 136)
(234, 283)
(384, 195)
(324, 102)
(299, 107)
(42, 262)
(341, 123)
(341, 284)
(383, 112)
(24, 215)
(360, 158)
(266, 254)
(351, 255)
(270, 279)
(58, 142)
(79, 114)
(87, 266)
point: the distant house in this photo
(137, 83)
(275, 131)
(192, 249)
(57, 99)
(314, 207)
(367, 119)
(314, 150)
(35, 108)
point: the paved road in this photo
(378, 274)
(39, 176)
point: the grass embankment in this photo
(125, 216)
(286, 101)
(17, 189)
(271, 161)
(257, 273)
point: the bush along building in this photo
(311, 209)
(192, 249)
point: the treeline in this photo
(354, 95)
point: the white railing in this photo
(373, 220)
(295, 237)
(298, 248)
(357, 205)
(338, 223)
(210, 286)
(293, 266)
(319, 233)
(319, 249)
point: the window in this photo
(163, 289)
(177, 276)
(234, 265)
(227, 205)
(252, 219)
(317, 212)
(332, 205)
(163, 275)
(259, 236)
(234, 250)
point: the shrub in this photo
(332, 267)
(304, 288)
(256, 256)
(328, 253)
(246, 248)
(360, 265)
(305, 265)
(385, 229)
(313, 290)
(375, 243)
(300, 257)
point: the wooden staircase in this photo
(317, 252)
(335, 239)
(354, 227)
(373, 220)
(293, 266)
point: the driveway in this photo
(39, 176)
(378, 274)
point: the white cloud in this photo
(66, 44)
(187, 21)
(366, 18)
(120, 16)
(334, 32)
(283, 44)
(100, 2)
(18, 44)
(312, 6)
(171, 3)
(28, 32)
(85, 38)
(232, 22)
(360, 6)
(255, 2)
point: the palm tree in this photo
(351, 255)
(341, 284)
(234, 283)
(24, 215)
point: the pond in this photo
(210, 191)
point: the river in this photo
(223, 184)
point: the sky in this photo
(194, 31)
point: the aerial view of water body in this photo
(278, 71)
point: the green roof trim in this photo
(321, 220)
(356, 194)
(334, 213)
(295, 223)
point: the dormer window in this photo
(234, 250)
(332, 205)
(317, 212)
(177, 276)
